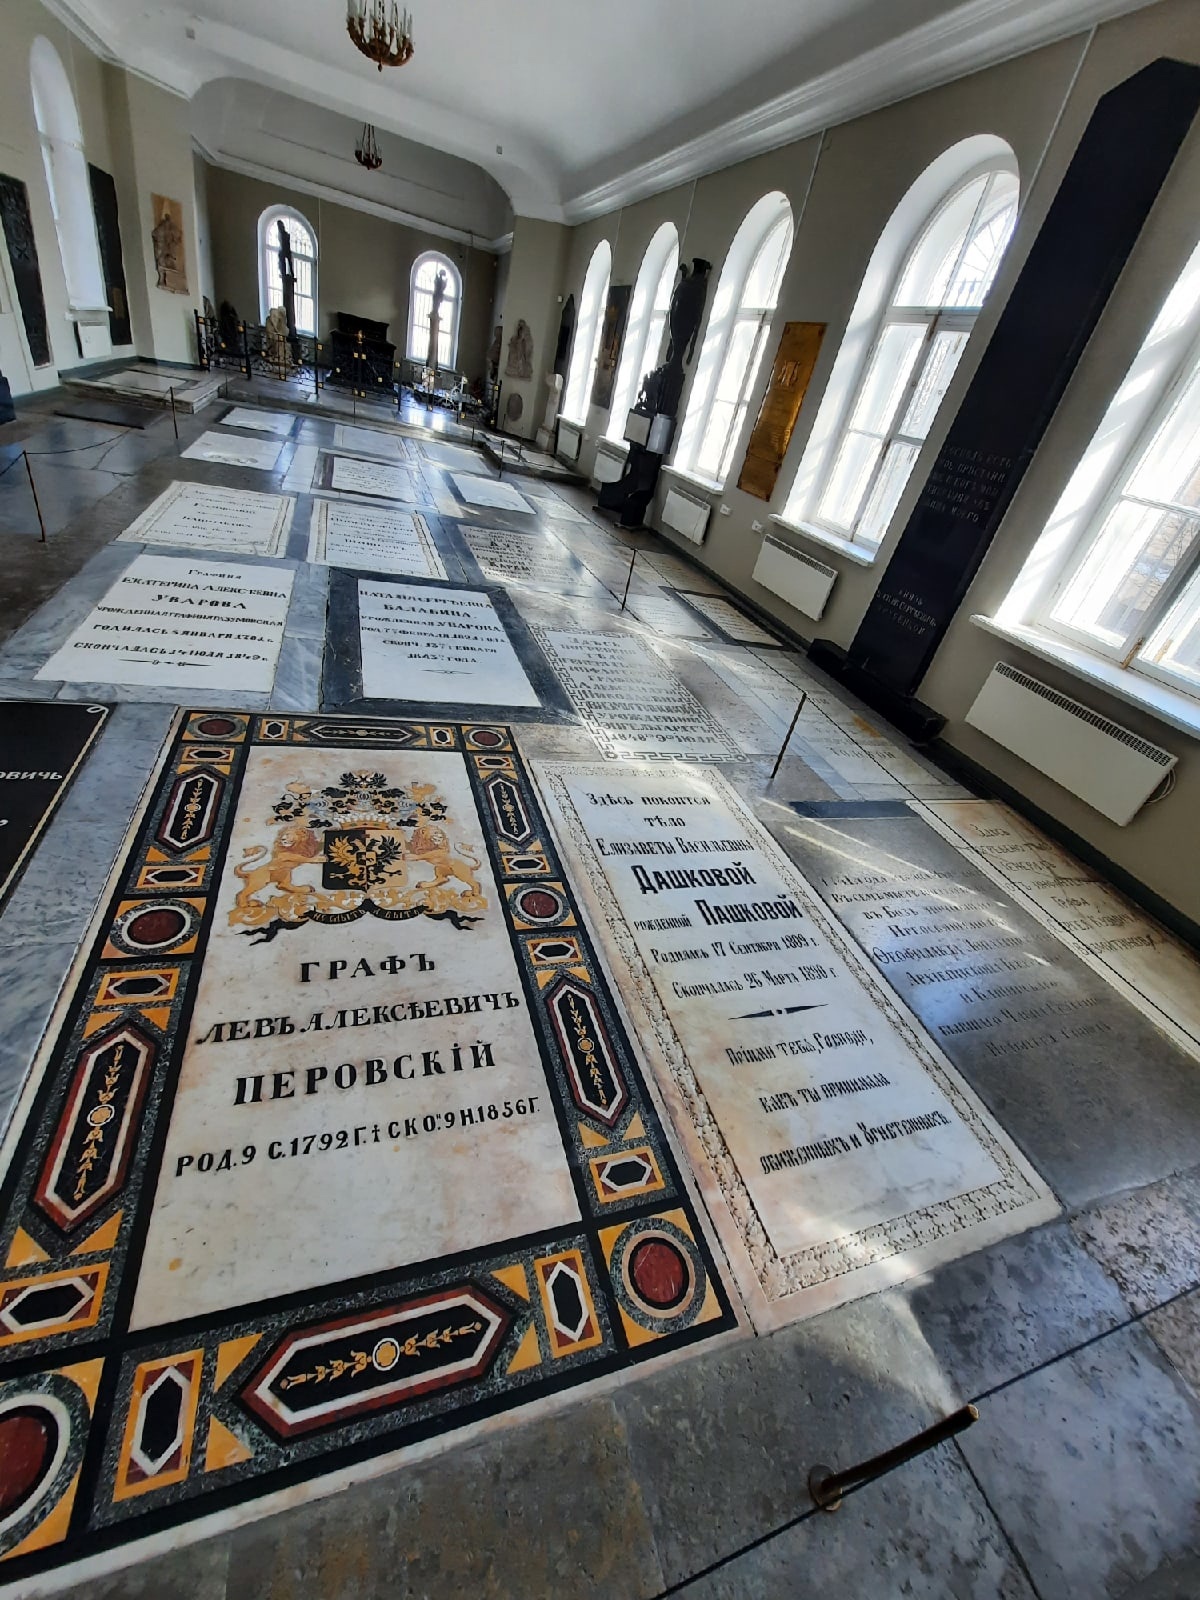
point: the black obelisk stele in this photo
(1092, 225)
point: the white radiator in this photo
(687, 516)
(800, 579)
(1101, 762)
(608, 465)
(570, 437)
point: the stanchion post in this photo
(787, 738)
(628, 579)
(827, 1487)
(37, 504)
(174, 419)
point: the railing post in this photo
(242, 329)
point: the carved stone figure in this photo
(287, 276)
(435, 321)
(277, 346)
(166, 237)
(687, 308)
(545, 434)
(210, 314)
(493, 355)
(520, 353)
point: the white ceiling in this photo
(573, 108)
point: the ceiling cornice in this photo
(352, 202)
(978, 34)
(87, 24)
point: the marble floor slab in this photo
(1152, 968)
(371, 442)
(168, 620)
(280, 423)
(478, 491)
(234, 451)
(667, 616)
(194, 1171)
(729, 620)
(368, 539)
(440, 645)
(837, 1147)
(349, 475)
(204, 516)
(634, 705)
(41, 749)
(504, 556)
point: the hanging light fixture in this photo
(366, 151)
(381, 31)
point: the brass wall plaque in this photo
(799, 346)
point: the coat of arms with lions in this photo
(361, 847)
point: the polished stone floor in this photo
(1079, 1340)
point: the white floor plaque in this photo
(203, 516)
(193, 624)
(232, 451)
(532, 558)
(375, 478)
(635, 707)
(444, 645)
(277, 422)
(478, 491)
(733, 623)
(368, 539)
(369, 442)
(838, 1148)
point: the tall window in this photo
(586, 349)
(304, 263)
(420, 307)
(61, 140)
(1118, 566)
(920, 332)
(647, 319)
(739, 323)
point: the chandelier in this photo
(381, 31)
(366, 151)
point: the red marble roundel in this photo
(155, 927)
(539, 904)
(486, 738)
(216, 727)
(659, 1273)
(28, 1439)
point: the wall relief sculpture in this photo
(167, 238)
(520, 353)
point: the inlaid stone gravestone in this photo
(202, 516)
(477, 491)
(337, 1144)
(394, 646)
(634, 706)
(837, 1148)
(371, 442)
(727, 619)
(540, 561)
(189, 624)
(277, 422)
(349, 475)
(233, 451)
(42, 746)
(369, 539)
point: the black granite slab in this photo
(41, 747)
(342, 679)
(1097, 1097)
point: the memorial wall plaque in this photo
(1042, 1037)
(203, 516)
(231, 451)
(1093, 222)
(478, 491)
(190, 624)
(42, 746)
(838, 1149)
(799, 346)
(632, 703)
(336, 1145)
(394, 646)
(352, 476)
(727, 619)
(369, 539)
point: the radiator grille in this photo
(1114, 730)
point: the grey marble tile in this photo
(925, 1531)
(197, 1572)
(1148, 1240)
(1175, 1329)
(31, 976)
(722, 1444)
(542, 1512)
(310, 589)
(298, 675)
(1092, 1466)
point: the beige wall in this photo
(364, 262)
(531, 293)
(1040, 104)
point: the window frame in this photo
(455, 277)
(640, 351)
(936, 319)
(64, 163)
(266, 223)
(769, 214)
(599, 262)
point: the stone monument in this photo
(651, 423)
(277, 346)
(545, 434)
(435, 324)
(520, 353)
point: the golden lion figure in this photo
(292, 848)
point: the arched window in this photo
(420, 306)
(61, 139)
(588, 328)
(924, 287)
(647, 319)
(1117, 568)
(739, 322)
(304, 262)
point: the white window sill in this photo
(614, 447)
(1168, 705)
(708, 485)
(571, 422)
(859, 554)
